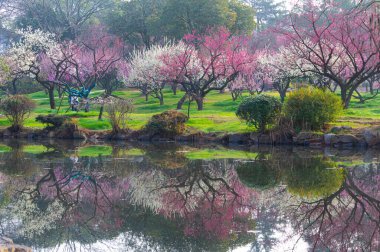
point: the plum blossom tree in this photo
(255, 81)
(95, 57)
(272, 69)
(96, 54)
(283, 69)
(23, 57)
(343, 47)
(209, 62)
(145, 69)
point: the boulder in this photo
(338, 129)
(265, 140)
(7, 133)
(51, 134)
(372, 136)
(184, 138)
(238, 138)
(118, 136)
(345, 140)
(329, 139)
(308, 138)
(77, 134)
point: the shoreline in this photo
(344, 138)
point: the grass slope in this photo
(218, 114)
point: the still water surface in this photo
(66, 196)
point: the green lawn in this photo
(218, 114)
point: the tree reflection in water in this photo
(347, 219)
(163, 201)
(329, 206)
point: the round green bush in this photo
(314, 177)
(259, 111)
(311, 108)
(261, 174)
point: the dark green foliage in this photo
(259, 174)
(144, 22)
(259, 111)
(136, 20)
(314, 177)
(180, 17)
(311, 108)
(17, 108)
(53, 121)
(168, 124)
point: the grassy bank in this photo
(218, 114)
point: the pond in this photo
(69, 196)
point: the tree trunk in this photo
(51, 97)
(146, 97)
(161, 98)
(100, 117)
(346, 97)
(343, 96)
(282, 95)
(371, 87)
(181, 101)
(14, 86)
(199, 101)
(174, 89)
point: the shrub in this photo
(311, 108)
(53, 121)
(169, 123)
(118, 111)
(259, 111)
(261, 174)
(314, 177)
(17, 108)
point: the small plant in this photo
(53, 121)
(17, 108)
(259, 111)
(311, 108)
(118, 111)
(169, 123)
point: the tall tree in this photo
(64, 18)
(137, 21)
(343, 47)
(24, 58)
(180, 17)
(145, 69)
(95, 57)
(267, 12)
(206, 63)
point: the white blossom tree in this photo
(146, 69)
(24, 57)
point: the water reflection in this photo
(72, 196)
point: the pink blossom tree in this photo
(96, 57)
(343, 47)
(97, 53)
(255, 81)
(207, 63)
(273, 69)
